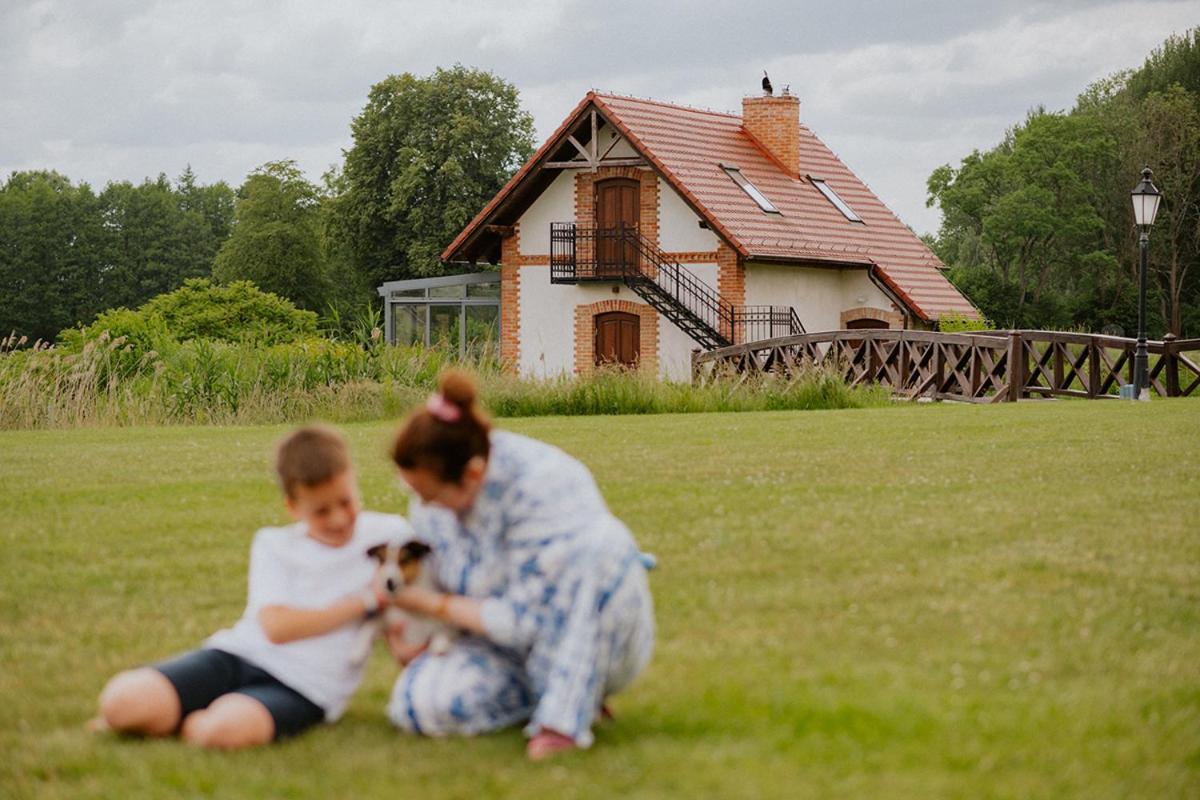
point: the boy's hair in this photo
(310, 456)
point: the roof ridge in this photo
(679, 106)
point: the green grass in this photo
(925, 601)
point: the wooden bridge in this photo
(977, 367)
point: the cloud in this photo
(125, 89)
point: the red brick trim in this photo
(693, 257)
(894, 319)
(585, 197)
(585, 334)
(510, 300)
(731, 279)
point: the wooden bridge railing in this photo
(979, 367)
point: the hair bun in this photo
(458, 387)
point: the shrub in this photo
(235, 312)
(954, 322)
(141, 330)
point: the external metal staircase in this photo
(580, 254)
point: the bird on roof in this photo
(767, 88)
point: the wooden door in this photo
(617, 206)
(617, 338)
(865, 324)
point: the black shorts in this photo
(201, 676)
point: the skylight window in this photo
(750, 189)
(832, 196)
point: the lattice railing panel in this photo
(986, 367)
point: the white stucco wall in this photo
(819, 295)
(674, 346)
(622, 150)
(556, 204)
(547, 330)
(547, 347)
(678, 226)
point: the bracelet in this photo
(370, 602)
(442, 607)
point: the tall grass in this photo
(616, 392)
(107, 381)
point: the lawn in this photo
(920, 601)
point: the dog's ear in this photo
(414, 551)
(378, 552)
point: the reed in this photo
(111, 381)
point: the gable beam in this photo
(592, 158)
(586, 155)
(595, 142)
(608, 162)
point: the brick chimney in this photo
(775, 122)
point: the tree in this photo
(1025, 211)
(1170, 143)
(207, 218)
(277, 237)
(67, 253)
(51, 244)
(1175, 63)
(153, 244)
(1039, 231)
(428, 154)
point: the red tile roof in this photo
(688, 146)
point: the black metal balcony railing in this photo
(579, 254)
(592, 254)
(755, 323)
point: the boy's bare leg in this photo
(231, 722)
(139, 701)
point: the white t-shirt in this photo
(289, 568)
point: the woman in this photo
(548, 585)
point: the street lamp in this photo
(1145, 207)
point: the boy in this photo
(294, 657)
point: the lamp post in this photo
(1145, 207)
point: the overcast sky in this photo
(123, 89)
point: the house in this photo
(642, 230)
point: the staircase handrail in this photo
(694, 294)
(640, 264)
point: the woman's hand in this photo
(453, 609)
(412, 599)
(404, 652)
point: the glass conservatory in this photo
(460, 311)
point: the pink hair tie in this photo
(442, 409)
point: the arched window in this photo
(618, 335)
(865, 323)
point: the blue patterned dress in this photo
(566, 604)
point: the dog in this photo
(405, 564)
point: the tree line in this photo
(427, 154)
(68, 253)
(1038, 231)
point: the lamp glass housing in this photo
(1145, 201)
